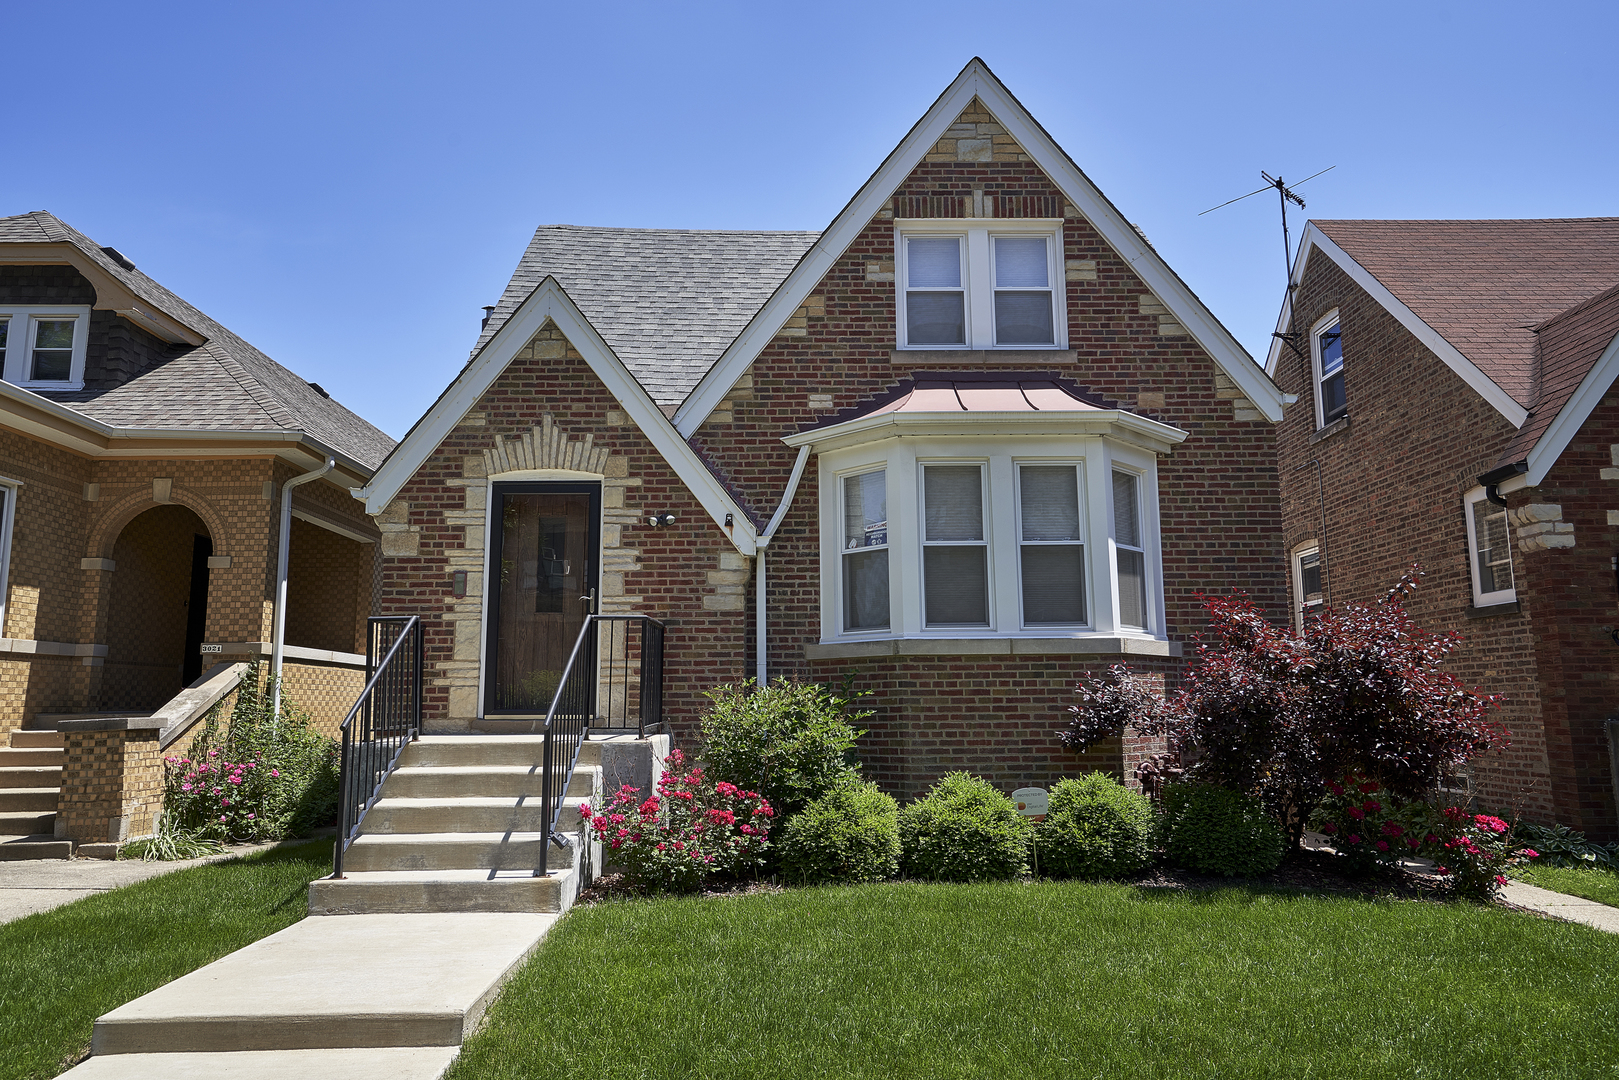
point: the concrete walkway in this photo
(1562, 906)
(340, 995)
(35, 885)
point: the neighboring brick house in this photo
(1033, 449)
(1456, 411)
(142, 451)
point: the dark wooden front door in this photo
(544, 571)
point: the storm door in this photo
(544, 571)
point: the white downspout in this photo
(278, 639)
(759, 667)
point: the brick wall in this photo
(112, 785)
(328, 589)
(1393, 480)
(326, 691)
(1219, 495)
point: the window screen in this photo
(1052, 558)
(865, 551)
(935, 301)
(1022, 291)
(1132, 560)
(955, 565)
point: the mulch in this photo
(1311, 872)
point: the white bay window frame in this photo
(999, 457)
(21, 330)
(978, 276)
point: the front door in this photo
(544, 571)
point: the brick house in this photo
(143, 449)
(1456, 410)
(970, 443)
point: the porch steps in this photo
(460, 827)
(30, 788)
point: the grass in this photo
(1592, 883)
(61, 969)
(1067, 980)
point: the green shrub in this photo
(789, 741)
(849, 834)
(963, 830)
(1095, 827)
(261, 778)
(1217, 831)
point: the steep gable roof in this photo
(668, 301)
(224, 383)
(1480, 287)
(1577, 360)
(977, 81)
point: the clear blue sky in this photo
(345, 184)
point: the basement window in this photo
(43, 348)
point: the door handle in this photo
(589, 599)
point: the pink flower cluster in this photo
(217, 798)
(691, 829)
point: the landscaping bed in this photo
(1055, 979)
(61, 969)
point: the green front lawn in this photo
(1054, 980)
(61, 969)
(1591, 883)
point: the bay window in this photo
(1051, 554)
(865, 551)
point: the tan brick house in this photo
(1457, 411)
(143, 452)
(970, 443)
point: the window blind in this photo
(933, 262)
(954, 495)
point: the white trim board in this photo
(1573, 415)
(1482, 384)
(976, 80)
(550, 303)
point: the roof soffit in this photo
(976, 80)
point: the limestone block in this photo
(816, 306)
(464, 702)
(880, 270)
(1610, 474)
(396, 513)
(733, 560)
(1613, 452)
(472, 465)
(1531, 512)
(466, 639)
(612, 536)
(612, 495)
(1545, 541)
(477, 497)
(820, 402)
(407, 542)
(1081, 270)
(1149, 399)
(722, 416)
(612, 584)
(728, 577)
(475, 418)
(1151, 305)
(617, 418)
(1248, 414)
(1613, 517)
(162, 488)
(725, 602)
(1169, 326)
(550, 350)
(974, 149)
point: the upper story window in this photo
(1327, 359)
(1307, 596)
(43, 348)
(980, 286)
(1489, 550)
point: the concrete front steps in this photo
(460, 828)
(30, 786)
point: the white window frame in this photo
(923, 543)
(843, 552)
(1322, 325)
(1096, 457)
(20, 344)
(1078, 465)
(978, 281)
(1482, 599)
(1303, 607)
(8, 514)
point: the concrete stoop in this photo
(30, 786)
(459, 827)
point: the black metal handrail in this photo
(387, 716)
(594, 695)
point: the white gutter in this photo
(279, 640)
(763, 541)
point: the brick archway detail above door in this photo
(106, 532)
(546, 446)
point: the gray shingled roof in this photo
(668, 301)
(224, 384)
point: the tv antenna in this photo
(1284, 195)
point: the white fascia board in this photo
(976, 80)
(1482, 384)
(548, 302)
(1149, 434)
(1573, 415)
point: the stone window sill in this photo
(1340, 424)
(1105, 645)
(1509, 608)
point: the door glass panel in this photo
(547, 563)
